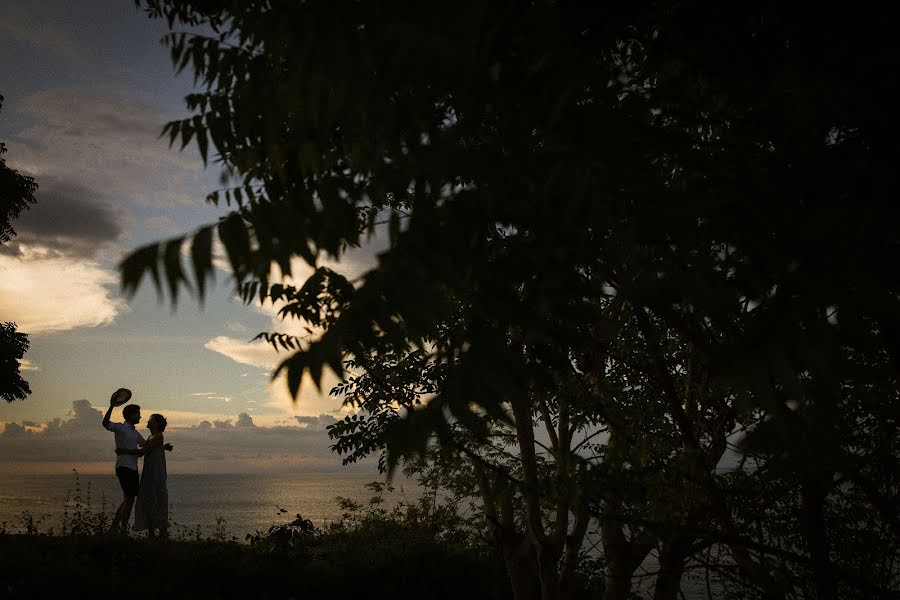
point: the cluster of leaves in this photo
(16, 195)
(13, 346)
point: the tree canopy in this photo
(724, 174)
(16, 195)
(692, 157)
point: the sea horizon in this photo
(236, 503)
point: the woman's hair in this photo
(160, 421)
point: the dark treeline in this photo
(640, 273)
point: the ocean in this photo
(237, 504)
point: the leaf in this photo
(201, 257)
(394, 228)
(202, 140)
(133, 267)
(233, 233)
(174, 272)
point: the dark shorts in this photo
(129, 480)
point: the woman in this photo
(152, 505)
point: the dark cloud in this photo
(70, 219)
(320, 422)
(82, 419)
(14, 430)
(109, 141)
(23, 24)
(234, 443)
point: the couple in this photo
(149, 492)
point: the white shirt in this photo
(126, 437)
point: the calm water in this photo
(247, 503)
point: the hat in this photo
(121, 396)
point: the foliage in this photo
(373, 551)
(725, 174)
(82, 519)
(612, 140)
(13, 345)
(16, 195)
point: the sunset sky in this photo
(87, 88)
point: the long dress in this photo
(152, 504)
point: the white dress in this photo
(152, 504)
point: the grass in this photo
(372, 552)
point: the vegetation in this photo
(16, 195)
(423, 549)
(626, 242)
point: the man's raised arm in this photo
(108, 413)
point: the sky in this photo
(88, 87)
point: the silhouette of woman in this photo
(152, 505)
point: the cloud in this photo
(70, 219)
(32, 28)
(45, 292)
(163, 225)
(105, 140)
(230, 445)
(236, 327)
(96, 156)
(256, 354)
(320, 422)
(211, 396)
(27, 365)
(14, 430)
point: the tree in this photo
(13, 346)
(728, 171)
(587, 135)
(16, 195)
(610, 451)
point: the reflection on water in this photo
(247, 503)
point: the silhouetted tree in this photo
(728, 171)
(13, 346)
(16, 195)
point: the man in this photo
(128, 441)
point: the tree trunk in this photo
(813, 522)
(514, 547)
(617, 582)
(549, 577)
(569, 568)
(672, 558)
(547, 549)
(623, 557)
(520, 568)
